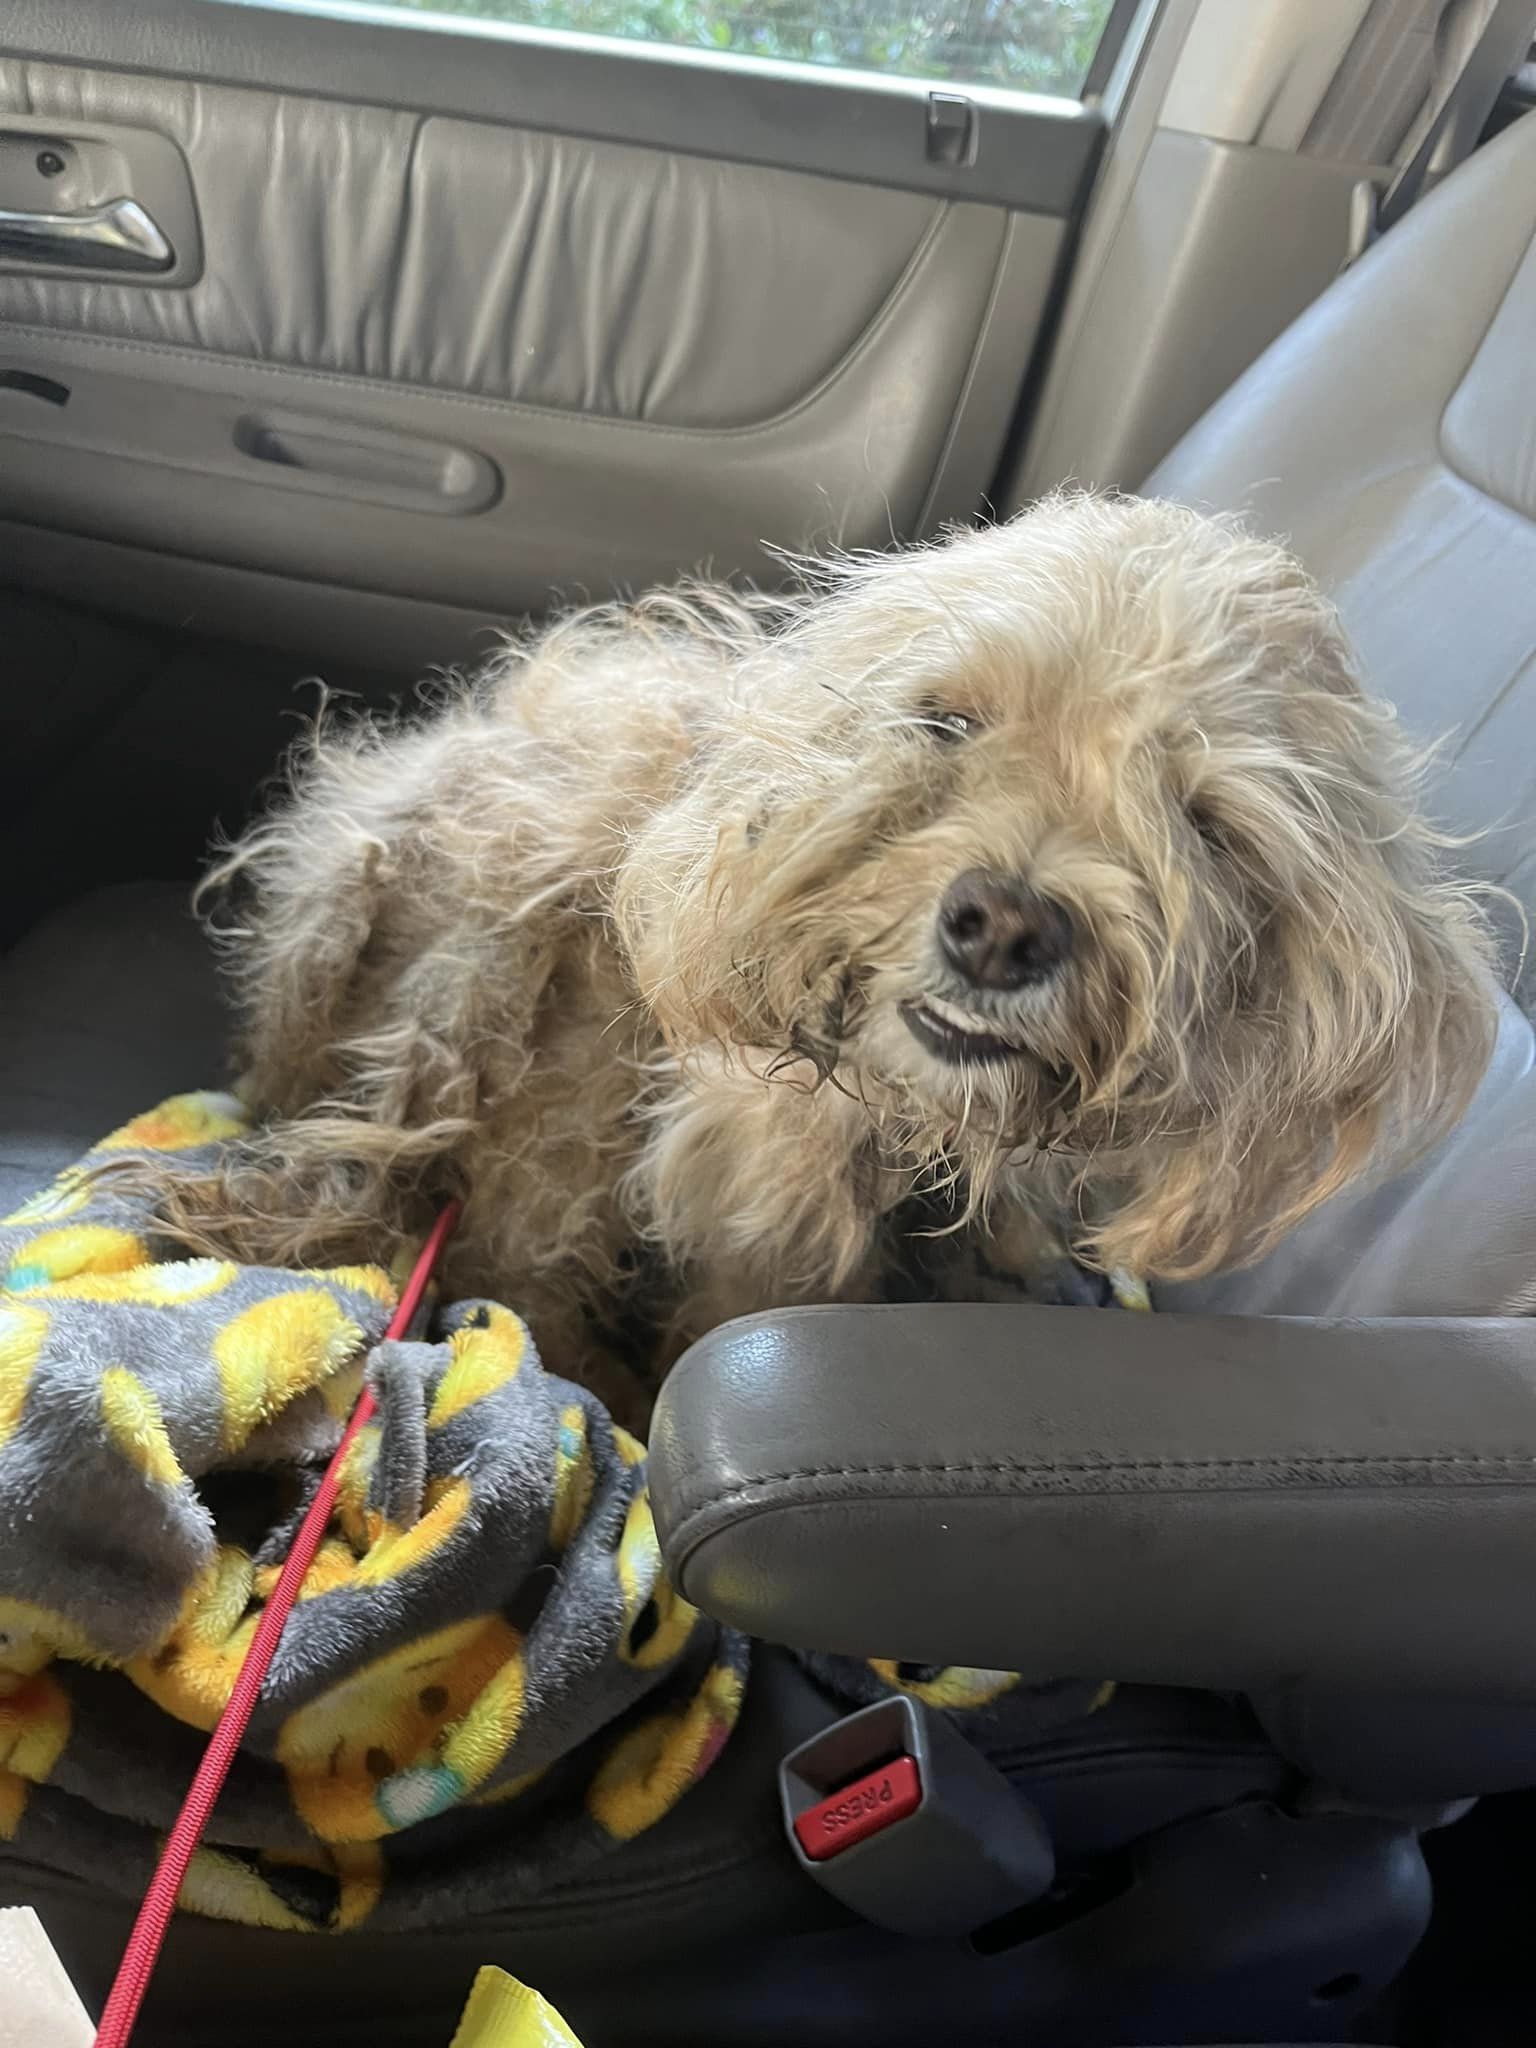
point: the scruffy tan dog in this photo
(1059, 874)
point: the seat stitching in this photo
(1109, 1469)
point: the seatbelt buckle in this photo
(893, 1812)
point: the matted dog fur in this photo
(1059, 876)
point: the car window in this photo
(1042, 46)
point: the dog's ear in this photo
(1348, 1006)
(1365, 1045)
(676, 905)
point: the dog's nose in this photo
(999, 933)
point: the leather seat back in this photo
(1390, 435)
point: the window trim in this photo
(1033, 153)
(1123, 16)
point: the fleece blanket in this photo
(488, 1680)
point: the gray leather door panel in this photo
(491, 261)
(502, 360)
(584, 500)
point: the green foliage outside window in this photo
(1032, 45)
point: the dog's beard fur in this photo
(627, 937)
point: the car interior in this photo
(335, 338)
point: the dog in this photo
(1056, 884)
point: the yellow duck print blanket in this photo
(488, 1680)
(487, 1624)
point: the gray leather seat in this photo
(1182, 1501)
(104, 1010)
(1338, 1516)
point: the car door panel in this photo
(466, 360)
(500, 263)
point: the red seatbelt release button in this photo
(855, 1812)
(893, 1812)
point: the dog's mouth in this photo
(952, 1035)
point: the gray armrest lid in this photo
(1190, 1500)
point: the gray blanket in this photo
(488, 1679)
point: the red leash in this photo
(143, 1950)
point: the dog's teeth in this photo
(962, 1020)
(950, 1039)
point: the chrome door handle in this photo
(118, 236)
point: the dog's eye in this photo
(948, 728)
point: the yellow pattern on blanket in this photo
(485, 1627)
